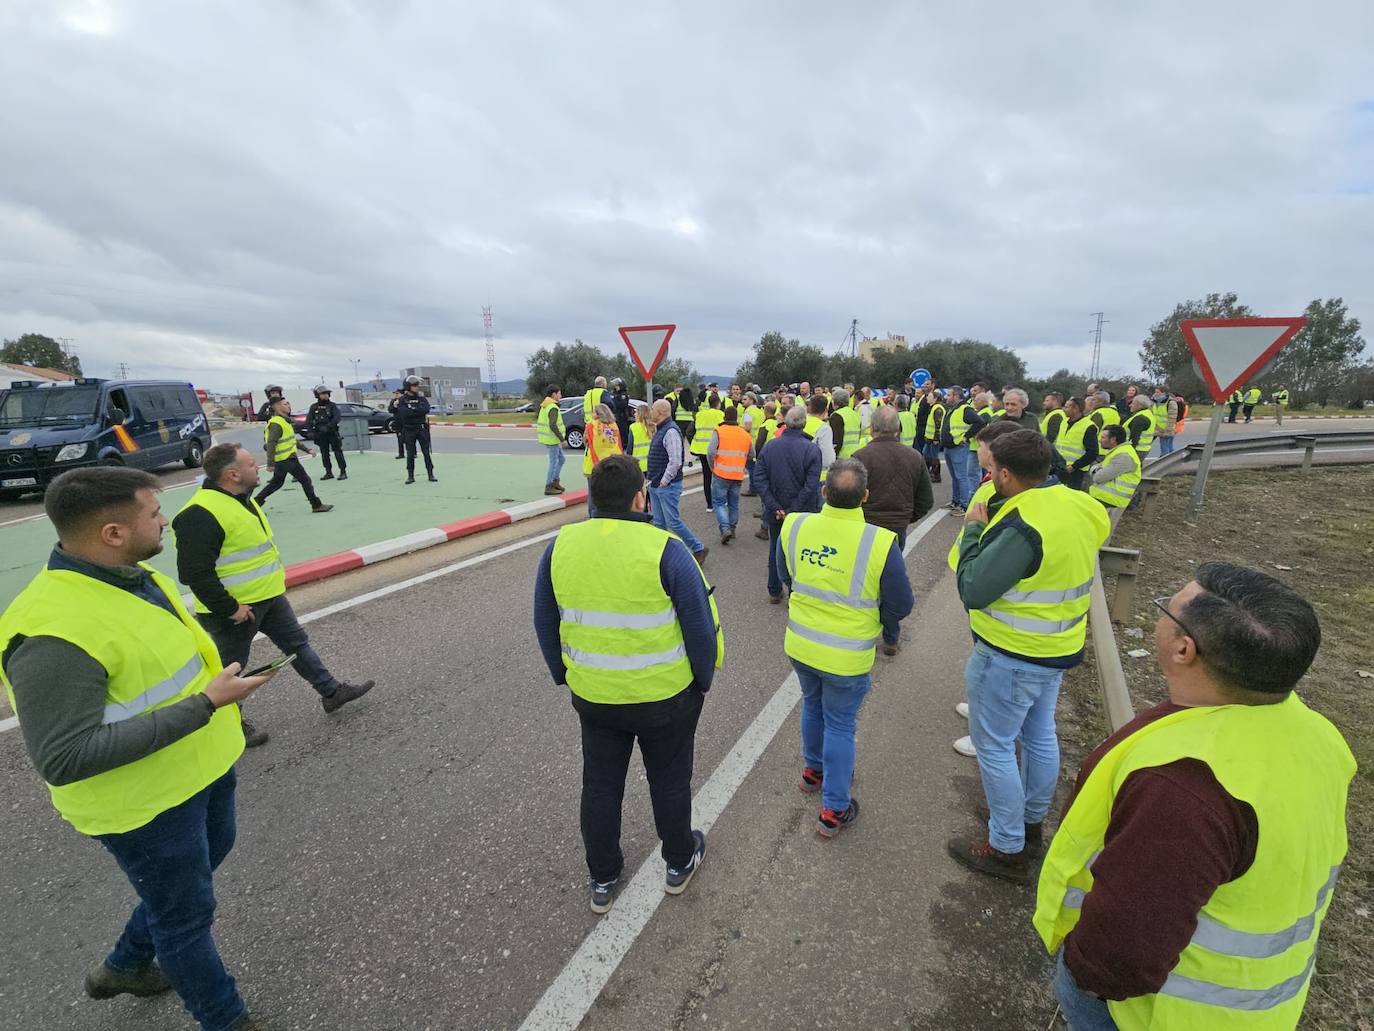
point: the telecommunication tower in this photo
(491, 348)
(1096, 369)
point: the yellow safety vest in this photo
(813, 423)
(620, 636)
(1281, 397)
(707, 420)
(958, 424)
(853, 426)
(836, 561)
(542, 430)
(907, 435)
(1235, 398)
(1161, 414)
(1104, 417)
(769, 427)
(1070, 441)
(589, 402)
(1249, 963)
(152, 659)
(1049, 419)
(1147, 432)
(1117, 492)
(680, 414)
(1252, 396)
(934, 421)
(640, 438)
(1045, 615)
(249, 565)
(286, 443)
(984, 493)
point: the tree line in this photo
(41, 351)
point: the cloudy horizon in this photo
(233, 193)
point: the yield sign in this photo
(647, 340)
(1230, 352)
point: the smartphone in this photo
(271, 667)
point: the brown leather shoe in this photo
(977, 854)
(775, 599)
(318, 509)
(761, 534)
(1035, 832)
(105, 982)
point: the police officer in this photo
(621, 410)
(280, 445)
(274, 394)
(391, 407)
(412, 417)
(323, 420)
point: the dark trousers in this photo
(328, 442)
(706, 480)
(776, 569)
(170, 862)
(666, 732)
(275, 620)
(1077, 479)
(1249, 413)
(289, 466)
(400, 441)
(420, 436)
(1235, 407)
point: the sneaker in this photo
(343, 476)
(327, 476)
(727, 536)
(978, 855)
(962, 709)
(700, 556)
(956, 510)
(677, 880)
(105, 982)
(322, 508)
(550, 490)
(433, 478)
(252, 736)
(964, 746)
(831, 823)
(1035, 832)
(345, 693)
(761, 534)
(410, 479)
(810, 781)
(603, 894)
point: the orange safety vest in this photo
(731, 452)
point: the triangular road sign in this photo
(1230, 352)
(647, 340)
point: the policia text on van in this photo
(47, 429)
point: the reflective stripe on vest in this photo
(1118, 491)
(1070, 441)
(1146, 421)
(639, 444)
(543, 431)
(286, 443)
(958, 425)
(833, 621)
(1045, 614)
(249, 566)
(589, 402)
(732, 449)
(1161, 414)
(1051, 417)
(1104, 417)
(153, 658)
(1253, 948)
(907, 419)
(853, 427)
(707, 419)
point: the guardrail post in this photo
(1310, 443)
(1148, 492)
(1125, 564)
(1111, 678)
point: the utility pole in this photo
(356, 363)
(850, 343)
(491, 349)
(123, 371)
(1096, 369)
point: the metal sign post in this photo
(1200, 480)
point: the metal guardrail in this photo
(1124, 562)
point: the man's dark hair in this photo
(1253, 631)
(614, 483)
(219, 458)
(1074, 401)
(731, 416)
(715, 400)
(845, 483)
(1025, 454)
(990, 431)
(1114, 433)
(817, 404)
(550, 391)
(1057, 395)
(277, 401)
(80, 499)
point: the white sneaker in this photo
(962, 709)
(964, 746)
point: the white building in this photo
(455, 386)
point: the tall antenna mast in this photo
(850, 343)
(1096, 369)
(491, 348)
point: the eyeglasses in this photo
(1162, 603)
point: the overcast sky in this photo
(260, 190)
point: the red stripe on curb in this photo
(574, 497)
(319, 568)
(491, 425)
(475, 524)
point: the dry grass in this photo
(1315, 531)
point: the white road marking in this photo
(9, 723)
(44, 515)
(567, 1001)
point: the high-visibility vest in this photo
(853, 426)
(1104, 417)
(958, 424)
(286, 443)
(600, 440)
(1235, 398)
(707, 420)
(152, 659)
(907, 435)
(727, 403)
(987, 413)
(1056, 415)
(590, 400)
(770, 430)
(249, 566)
(1146, 422)
(639, 444)
(681, 414)
(1117, 492)
(984, 493)
(1045, 615)
(813, 423)
(1280, 397)
(934, 421)
(542, 430)
(732, 448)
(1070, 442)
(1161, 414)
(620, 637)
(1252, 396)
(836, 561)
(1249, 963)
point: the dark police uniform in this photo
(323, 420)
(391, 407)
(412, 413)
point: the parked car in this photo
(576, 425)
(528, 406)
(378, 420)
(46, 429)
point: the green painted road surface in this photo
(372, 505)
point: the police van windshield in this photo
(48, 406)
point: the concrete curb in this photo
(331, 565)
(490, 425)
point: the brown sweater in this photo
(899, 491)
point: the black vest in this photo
(658, 453)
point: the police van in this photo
(48, 428)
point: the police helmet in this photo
(413, 381)
(274, 386)
(321, 389)
(617, 382)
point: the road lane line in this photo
(573, 993)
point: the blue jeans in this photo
(830, 715)
(777, 570)
(1011, 702)
(956, 459)
(556, 460)
(666, 515)
(1083, 1012)
(725, 496)
(170, 861)
(1166, 445)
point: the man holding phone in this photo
(128, 716)
(227, 556)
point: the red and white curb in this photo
(331, 565)
(489, 425)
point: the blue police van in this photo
(46, 429)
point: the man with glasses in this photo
(1195, 862)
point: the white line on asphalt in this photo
(575, 990)
(44, 515)
(9, 723)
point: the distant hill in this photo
(503, 386)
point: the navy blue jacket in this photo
(788, 475)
